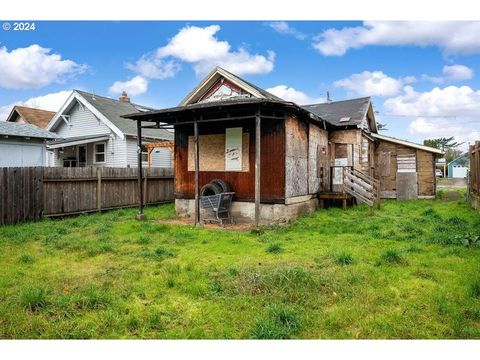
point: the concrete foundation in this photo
(244, 212)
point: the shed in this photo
(458, 167)
(406, 170)
(23, 144)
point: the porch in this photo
(79, 151)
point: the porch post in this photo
(196, 161)
(140, 215)
(257, 167)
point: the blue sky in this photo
(423, 77)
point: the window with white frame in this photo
(99, 153)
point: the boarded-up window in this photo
(406, 163)
(233, 149)
(364, 151)
(212, 153)
(384, 163)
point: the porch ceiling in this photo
(76, 141)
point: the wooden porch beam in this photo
(197, 164)
(140, 215)
(257, 166)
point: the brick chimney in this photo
(124, 97)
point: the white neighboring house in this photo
(91, 132)
(22, 144)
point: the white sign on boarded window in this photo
(233, 149)
(338, 171)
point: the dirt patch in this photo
(190, 222)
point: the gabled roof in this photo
(345, 113)
(110, 111)
(24, 130)
(461, 157)
(408, 143)
(218, 73)
(37, 117)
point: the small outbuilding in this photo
(406, 170)
(23, 144)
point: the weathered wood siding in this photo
(296, 157)
(424, 166)
(272, 162)
(26, 193)
(21, 194)
(363, 149)
(318, 159)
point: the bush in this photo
(274, 248)
(344, 259)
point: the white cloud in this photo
(290, 94)
(34, 67)
(449, 111)
(151, 67)
(452, 37)
(52, 102)
(201, 48)
(374, 83)
(135, 86)
(457, 72)
(283, 27)
(449, 101)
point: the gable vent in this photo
(345, 119)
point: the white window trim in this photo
(104, 152)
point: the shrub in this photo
(344, 259)
(274, 248)
(33, 298)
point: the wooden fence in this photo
(474, 177)
(29, 193)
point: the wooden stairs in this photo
(363, 188)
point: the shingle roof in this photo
(333, 112)
(24, 130)
(33, 116)
(113, 110)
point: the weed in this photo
(33, 297)
(475, 289)
(274, 248)
(26, 259)
(344, 259)
(280, 323)
(392, 257)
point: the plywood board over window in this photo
(212, 153)
(233, 149)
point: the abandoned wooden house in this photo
(278, 157)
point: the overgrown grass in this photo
(410, 270)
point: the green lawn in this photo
(404, 272)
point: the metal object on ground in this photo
(219, 205)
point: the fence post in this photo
(145, 188)
(99, 189)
